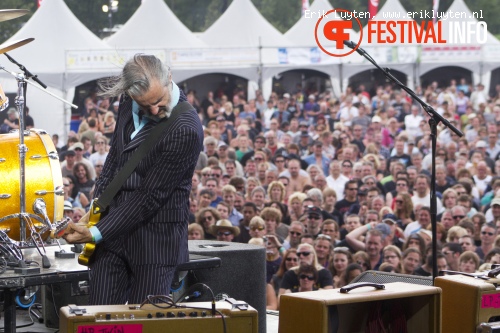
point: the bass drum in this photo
(42, 178)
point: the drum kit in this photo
(30, 173)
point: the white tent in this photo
(55, 30)
(472, 55)
(400, 57)
(243, 25)
(154, 25)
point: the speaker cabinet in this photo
(468, 302)
(56, 295)
(241, 275)
(330, 311)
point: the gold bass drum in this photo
(43, 179)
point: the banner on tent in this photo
(104, 59)
(445, 53)
(304, 56)
(396, 54)
(197, 57)
(491, 52)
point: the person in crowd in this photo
(224, 230)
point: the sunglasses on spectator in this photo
(458, 217)
(305, 254)
(258, 228)
(292, 259)
(215, 175)
(314, 217)
(487, 233)
(224, 233)
(208, 218)
(308, 277)
(295, 233)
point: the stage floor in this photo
(24, 319)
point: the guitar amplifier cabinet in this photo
(415, 306)
(193, 318)
(468, 302)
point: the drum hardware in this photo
(26, 219)
(2, 160)
(53, 155)
(5, 196)
(58, 191)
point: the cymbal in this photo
(9, 14)
(6, 47)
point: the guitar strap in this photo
(101, 204)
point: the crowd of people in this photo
(331, 187)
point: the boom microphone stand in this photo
(434, 120)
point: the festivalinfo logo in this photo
(333, 29)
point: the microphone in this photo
(350, 44)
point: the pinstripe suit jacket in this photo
(147, 221)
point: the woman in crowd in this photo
(295, 205)
(276, 192)
(308, 276)
(290, 259)
(195, 232)
(392, 255)
(412, 259)
(107, 127)
(449, 198)
(339, 261)
(206, 218)
(361, 258)
(306, 255)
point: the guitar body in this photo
(85, 258)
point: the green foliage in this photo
(198, 15)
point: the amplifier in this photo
(468, 302)
(396, 304)
(190, 317)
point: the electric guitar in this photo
(85, 257)
(58, 228)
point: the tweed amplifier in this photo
(468, 302)
(191, 317)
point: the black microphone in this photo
(350, 44)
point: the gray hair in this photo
(136, 77)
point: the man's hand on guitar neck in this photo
(77, 234)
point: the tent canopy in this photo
(154, 25)
(243, 25)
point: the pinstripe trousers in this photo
(113, 281)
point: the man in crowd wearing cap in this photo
(318, 158)
(224, 231)
(68, 209)
(78, 157)
(493, 214)
(304, 143)
(314, 220)
(68, 163)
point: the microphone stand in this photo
(434, 120)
